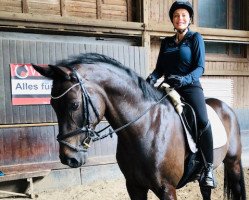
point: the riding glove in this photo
(151, 79)
(176, 81)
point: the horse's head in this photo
(79, 108)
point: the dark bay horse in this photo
(151, 150)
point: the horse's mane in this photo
(90, 58)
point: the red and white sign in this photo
(28, 86)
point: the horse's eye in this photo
(75, 105)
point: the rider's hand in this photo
(175, 81)
(151, 80)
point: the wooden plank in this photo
(78, 6)
(161, 11)
(34, 110)
(2, 153)
(27, 59)
(29, 145)
(126, 56)
(10, 146)
(13, 59)
(58, 51)
(132, 57)
(80, 1)
(40, 60)
(115, 52)
(121, 54)
(44, 7)
(114, 17)
(146, 11)
(83, 15)
(64, 52)
(15, 3)
(2, 89)
(99, 49)
(6, 59)
(136, 61)
(23, 175)
(63, 7)
(53, 148)
(52, 53)
(115, 2)
(143, 62)
(129, 10)
(76, 50)
(70, 48)
(25, 6)
(69, 20)
(115, 12)
(41, 4)
(29, 167)
(14, 7)
(82, 48)
(46, 60)
(114, 8)
(47, 11)
(110, 51)
(44, 1)
(105, 49)
(99, 9)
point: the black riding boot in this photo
(206, 145)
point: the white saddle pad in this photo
(218, 130)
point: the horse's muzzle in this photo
(73, 161)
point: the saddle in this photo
(194, 162)
(187, 116)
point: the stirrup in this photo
(207, 179)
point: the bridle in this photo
(91, 134)
(86, 128)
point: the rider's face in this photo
(181, 19)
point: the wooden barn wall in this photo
(18, 51)
(120, 10)
(158, 11)
(26, 145)
(27, 149)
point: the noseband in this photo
(91, 135)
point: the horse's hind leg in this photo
(206, 192)
(136, 192)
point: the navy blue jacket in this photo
(187, 58)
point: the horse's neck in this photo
(124, 102)
(124, 99)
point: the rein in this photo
(129, 123)
(92, 135)
(57, 97)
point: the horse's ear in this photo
(44, 71)
(60, 72)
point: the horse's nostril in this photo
(72, 162)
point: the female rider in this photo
(181, 61)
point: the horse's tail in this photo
(229, 184)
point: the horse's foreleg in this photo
(167, 193)
(206, 192)
(136, 192)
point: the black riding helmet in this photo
(181, 4)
